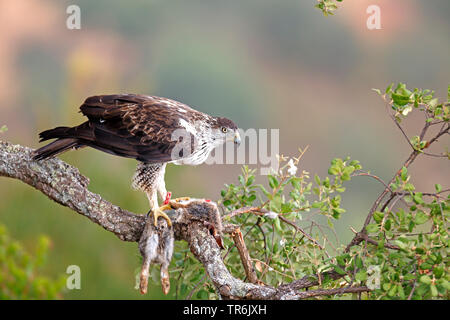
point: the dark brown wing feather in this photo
(133, 126)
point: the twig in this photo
(289, 222)
(245, 256)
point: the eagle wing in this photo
(133, 126)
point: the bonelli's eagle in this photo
(153, 130)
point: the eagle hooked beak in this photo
(237, 138)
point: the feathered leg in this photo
(150, 179)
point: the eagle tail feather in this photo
(58, 132)
(55, 147)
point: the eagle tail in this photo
(56, 147)
(59, 132)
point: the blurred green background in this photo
(265, 64)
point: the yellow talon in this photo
(160, 213)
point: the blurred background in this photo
(264, 63)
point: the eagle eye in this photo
(224, 129)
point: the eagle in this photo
(153, 130)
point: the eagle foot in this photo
(159, 212)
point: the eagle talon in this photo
(159, 212)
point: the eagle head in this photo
(225, 130)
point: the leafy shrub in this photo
(20, 271)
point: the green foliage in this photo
(404, 101)
(3, 128)
(420, 261)
(328, 7)
(20, 271)
(282, 253)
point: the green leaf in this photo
(425, 279)
(202, 294)
(277, 224)
(273, 182)
(349, 170)
(434, 291)
(421, 217)
(372, 228)
(404, 174)
(418, 198)
(359, 262)
(333, 170)
(317, 179)
(378, 216)
(400, 291)
(337, 212)
(400, 100)
(251, 198)
(226, 203)
(438, 272)
(361, 275)
(339, 269)
(438, 187)
(389, 88)
(393, 290)
(296, 182)
(387, 224)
